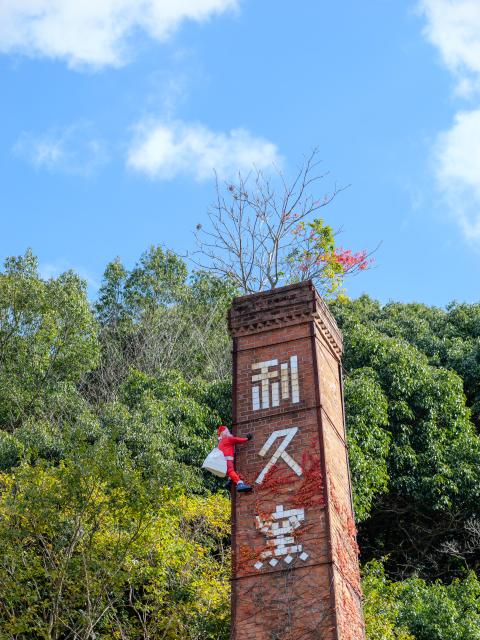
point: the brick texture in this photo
(294, 568)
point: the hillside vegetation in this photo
(108, 527)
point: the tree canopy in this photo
(109, 528)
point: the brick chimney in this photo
(295, 569)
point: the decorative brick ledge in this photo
(283, 307)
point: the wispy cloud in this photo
(453, 26)
(168, 89)
(457, 157)
(72, 150)
(95, 33)
(163, 150)
(49, 270)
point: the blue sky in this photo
(114, 111)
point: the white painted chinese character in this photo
(272, 385)
(280, 534)
(287, 435)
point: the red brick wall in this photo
(297, 579)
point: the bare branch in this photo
(251, 235)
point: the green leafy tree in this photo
(154, 319)
(89, 550)
(449, 338)
(168, 425)
(48, 340)
(108, 527)
(381, 605)
(413, 609)
(433, 475)
(368, 438)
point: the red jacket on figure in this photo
(226, 444)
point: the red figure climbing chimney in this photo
(295, 569)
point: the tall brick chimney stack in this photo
(295, 569)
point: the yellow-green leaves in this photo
(85, 548)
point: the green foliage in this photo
(368, 440)
(450, 338)
(434, 446)
(86, 550)
(438, 611)
(314, 255)
(100, 533)
(167, 425)
(158, 280)
(382, 605)
(48, 341)
(154, 319)
(111, 305)
(11, 450)
(109, 528)
(432, 458)
(414, 609)
(315, 243)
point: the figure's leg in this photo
(231, 473)
(235, 478)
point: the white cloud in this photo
(94, 32)
(163, 150)
(458, 170)
(72, 150)
(453, 26)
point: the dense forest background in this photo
(108, 527)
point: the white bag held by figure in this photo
(215, 463)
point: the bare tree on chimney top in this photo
(262, 232)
